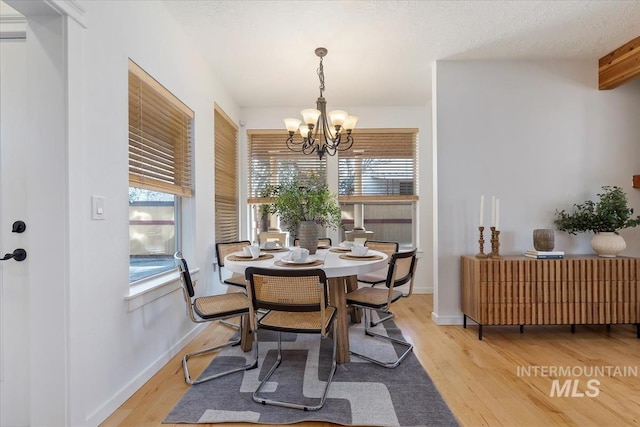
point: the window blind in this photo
(380, 166)
(160, 136)
(271, 162)
(226, 181)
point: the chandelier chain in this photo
(321, 76)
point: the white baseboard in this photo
(447, 320)
(100, 414)
(417, 289)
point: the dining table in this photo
(339, 265)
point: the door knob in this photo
(18, 254)
(18, 227)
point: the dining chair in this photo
(227, 248)
(208, 309)
(378, 277)
(401, 272)
(295, 301)
(322, 241)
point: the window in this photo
(270, 162)
(377, 183)
(160, 145)
(226, 184)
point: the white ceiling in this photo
(380, 51)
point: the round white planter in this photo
(608, 244)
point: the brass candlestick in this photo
(481, 254)
(495, 244)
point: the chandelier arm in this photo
(293, 145)
(309, 148)
(348, 143)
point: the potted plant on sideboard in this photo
(305, 204)
(606, 217)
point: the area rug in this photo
(361, 394)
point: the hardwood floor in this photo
(506, 379)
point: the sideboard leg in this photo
(573, 328)
(464, 321)
(480, 332)
(522, 329)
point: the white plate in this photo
(306, 261)
(243, 255)
(367, 255)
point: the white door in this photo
(14, 310)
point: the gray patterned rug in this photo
(361, 394)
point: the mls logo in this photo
(570, 388)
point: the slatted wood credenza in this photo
(575, 290)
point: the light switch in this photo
(97, 207)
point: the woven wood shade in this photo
(160, 129)
(226, 181)
(270, 162)
(380, 166)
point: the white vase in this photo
(608, 244)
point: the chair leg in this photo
(273, 368)
(230, 324)
(367, 331)
(389, 315)
(250, 365)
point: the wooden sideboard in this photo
(575, 290)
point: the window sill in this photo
(148, 290)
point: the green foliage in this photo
(611, 213)
(306, 200)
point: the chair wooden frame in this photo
(401, 271)
(209, 309)
(295, 301)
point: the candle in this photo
(497, 214)
(481, 210)
(493, 211)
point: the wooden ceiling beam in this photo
(619, 66)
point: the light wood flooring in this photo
(492, 382)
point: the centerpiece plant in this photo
(304, 204)
(607, 216)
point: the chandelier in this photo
(317, 135)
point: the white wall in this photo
(369, 117)
(538, 135)
(111, 351)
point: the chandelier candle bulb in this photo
(350, 123)
(292, 124)
(338, 117)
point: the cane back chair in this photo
(295, 301)
(209, 309)
(401, 272)
(227, 248)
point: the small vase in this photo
(543, 239)
(608, 244)
(308, 236)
